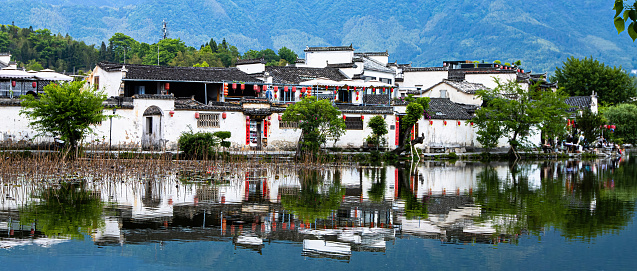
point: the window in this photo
(96, 82)
(149, 125)
(443, 93)
(288, 124)
(353, 123)
(286, 96)
(208, 120)
(140, 90)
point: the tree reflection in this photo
(317, 198)
(69, 210)
(580, 199)
(377, 191)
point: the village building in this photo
(151, 106)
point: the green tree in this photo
(122, 46)
(416, 109)
(580, 77)
(623, 14)
(624, 117)
(66, 110)
(318, 121)
(589, 124)
(287, 54)
(514, 111)
(317, 199)
(34, 65)
(379, 129)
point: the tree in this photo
(416, 109)
(624, 117)
(34, 65)
(629, 15)
(379, 129)
(514, 111)
(287, 54)
(580, 77)
(589, 124)
(318, 121)
(66, 110)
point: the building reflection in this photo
(332, 214)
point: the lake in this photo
(568, 215)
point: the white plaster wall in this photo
(453, 94)
(426, 79)
(15, 127)
(380, 75)
(381, 59)
(252, 68)
(488, 80)
(320, 59)
(450, 135)
(109, 81)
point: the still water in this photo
(568, 215)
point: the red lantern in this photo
(247, 117)
(234, 85)
(265, 88)
(223, 115)
(173, 112)
(293, 89)
(276, 88)
(243, 86)
(397, 118)
(166, 86)
(280, 117)
(356, 93)
(255, 87)
(357, 98)
(326, 88)
(285, 88)
(362, 117)
(471, 123)
(347, 88)
(431, 122)
(275, 96)
(344, 117)
(196, 115)
(34, 84)
(445, 122)
(13, 83)
(612, 126)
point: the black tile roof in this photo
(331, 48)
(464, 86)
(376, 99)
(443, 108)
(182, 74)
(372, 54)
(342, 65)
(190, 104)
(154, 96)
(364, 109)
(374, 65)
(578, 102)
(295, 75)
(251, 61)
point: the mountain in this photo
(540, 33)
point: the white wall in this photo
(109, 82)
(453, 94)
(422, 79)
(488, 80)
(320, 59)
(252, 68)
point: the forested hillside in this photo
(540, 33)
(38, 49)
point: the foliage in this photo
(68, 210)
(416, 109)
(580, 77)
(555, 111)
(318, 120)
(379, 129)
(624, 117)
(66, 110)
(316, 199)
(629, 15)
(202, 145)
(514, 111)
(287, 54)
(589, 124)
(379, 178)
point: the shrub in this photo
(201, 145)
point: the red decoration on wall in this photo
(173, 113)
(397, 131)
(196, 114)
(362, 117)
(280, 117)
(285, 88)
(34, 85)
(234, 85)
(276, 89)
(472, 123)
(247, 130)
(243, 86)
(445, 123)
(344, 117)
(458, 123)
(13, 83)
(265, 88)
(166, 86)
(293, 89)
(431, 122)
(223, 115)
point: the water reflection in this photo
(329, 213)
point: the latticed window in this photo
(208, 120)
(288, 124)
(353, 123)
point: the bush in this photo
(202, 145)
